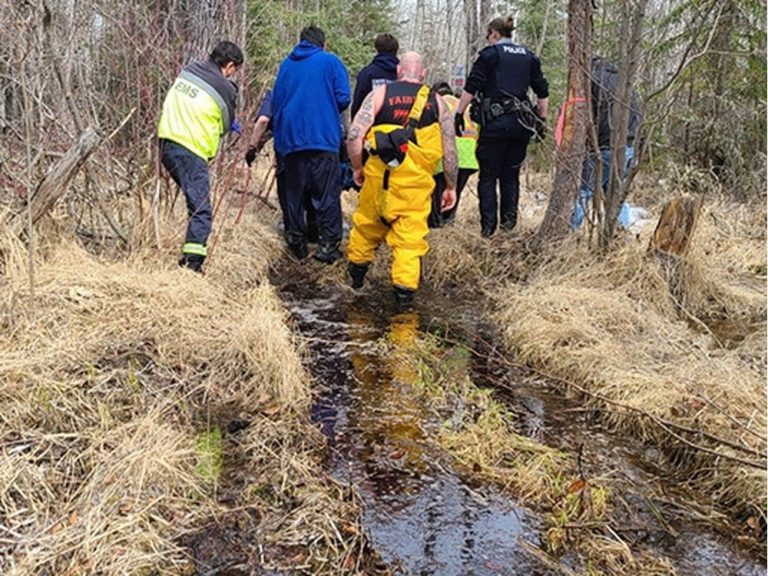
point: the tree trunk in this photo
(633, 14)
(471, 30)
(570, 153)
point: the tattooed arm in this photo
(450, 158)
(360, 125)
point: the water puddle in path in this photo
(422, 517)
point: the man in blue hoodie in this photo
(311, 90)
(381, 70)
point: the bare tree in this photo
(633, 14)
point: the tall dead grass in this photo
(614, 327)
(107, 379)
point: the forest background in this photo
(68, 64)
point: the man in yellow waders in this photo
(406, 130)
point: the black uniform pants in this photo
(190, 172)
(500, 160)
(312, 177)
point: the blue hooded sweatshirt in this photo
(382, 70)
(311, 90)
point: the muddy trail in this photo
(422, 514)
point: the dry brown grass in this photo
(107, 380)
(613, 327)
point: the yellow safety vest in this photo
(192, 117)
(465, 144)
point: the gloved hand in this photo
(236, 127)
(458, 123)
(250, 154)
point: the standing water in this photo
(421, 515)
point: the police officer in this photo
(198, 110)
(500, 78)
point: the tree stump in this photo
(672, 238)
(676, 226)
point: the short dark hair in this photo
(442, 88)
(226, 52)
(386, 43)
(503, 26)
(313, 34)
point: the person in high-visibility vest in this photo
(466, 143)
(198, 110)
(406, 130)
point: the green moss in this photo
(210, 454)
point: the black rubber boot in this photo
(487, 231)
(403, 297)
(297, 244)
(327, 252)
(192, 261)
(357, 274)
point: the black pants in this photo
(312, 177)
(500, 160)
(437, 218)
(311, 216)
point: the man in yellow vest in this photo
(406, 130)
(466, 144)
(198, 110)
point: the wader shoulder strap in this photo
(417, 110)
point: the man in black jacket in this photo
(381, 70)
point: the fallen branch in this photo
(52, 187)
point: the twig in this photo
(733, 420)
(120, 126)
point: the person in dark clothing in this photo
(501, 76)
(382, 70)
(198, 110)
(262, 133)
(311, 90)
(604, 84)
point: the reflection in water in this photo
(388, 413)
(419, 514)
